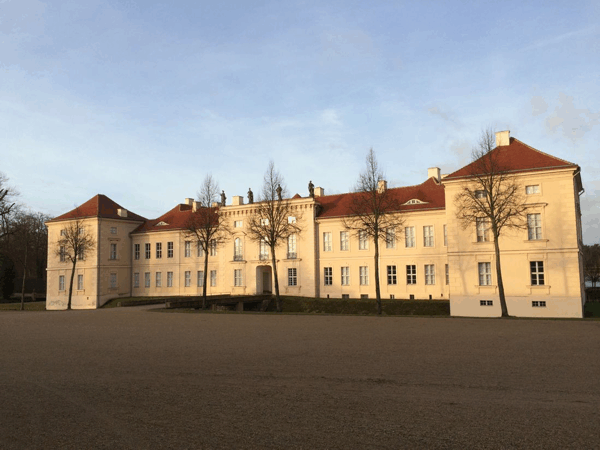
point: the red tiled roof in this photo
(518, 157)
(297, 196)
(98, 206)
(175, 219)
(430, 192)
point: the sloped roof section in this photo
(98, 206)
(175, 219)
(430, 192)
(518, 157)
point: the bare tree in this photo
(492, 198)
(206, 225)
(591, 263)
(271, 224)
(7, 206)
(75, 241)
(374, 213)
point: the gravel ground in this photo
(130, 378)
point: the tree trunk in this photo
(276, 281)
(377, 284)
(23, 285)
(71, 283)
(499, 276)
(205, 279)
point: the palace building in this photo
(433, 256)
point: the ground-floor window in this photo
(213, 277)
(113, 280)
(429, 274)
(345, 276)
(328, 276)
(447, 275)
(200, 278)
(61, 283)
(237, 277)
(391, 275)
(485, 273)
(169, 279)
(411, 274)
(188, 278)
(537, 273)
(80, 282)
(147, 279)
(158, 279)
(292, 276)
(364, 275)
(136, 280)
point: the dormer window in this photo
(415, 201)
(161, 224)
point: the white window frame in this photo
(485, 273)
(263, 252)
(430, 274)
(63, 254)
(158, 250)
(364, 275)
(411, 274)
(483, 229)
(199, 250)
(79, 282)
(213, 247)
(344, 241)
(136, 279)
(136, 251)
(113, 281)
(390, 238)
(238, 249)
(170, 248)
(213, 278)
(147, 250)
(187, 278)
(158, 279)
(113, 230)
(237, 277)
(61, 283)
(169, 279)
(291, 219)
(363, 240)
(534, 226)
(345, 276)
(392, 275)
(238, 223)
(428, 236)
(447, 270)
(292, 276)
(327, 276)
(147, 279)
(291, 247)
(409, 237)
(537, 275)
(187, 252)
(113, 250)
(200, 276)
(532, 189)
(327, 247)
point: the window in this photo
(292, 276)
(82, 231)
(264, 222)
(213, 247)
(480, 194)
(147, 279)
(327, 241)
(80, 282)
(291, 219)
(62, 232)
(200, 250)
(391, 275)
(147, 250)
(113, 280)
(237, 277)
(364, 296)
(113, 251)
(486, 303)
(447, 275)
(291, 250)
(136, 251)
(80, 254)
(363, 240)
(169, 279)
(200, 278)
(61, 283)
(188, 278)
(62, 253)
(445, 236)
(238, 223)
(411, 274)
(482, 229)
(409, 236)
(158, 279)
(169, 249)
(159, 250)
(187, 249)
(390, 238)
(532, 189)
(345, 276)
(213, 277)
(534, 226)
(136, 280)
(264, 250)
(429, 274)
(538, 303)
(238, 254)
(485, 274)
(428, 236)
(345, 296)
(344, 241)
(537, 273)
(364, 275)
(328, 276)
(113, 230)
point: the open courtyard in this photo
(132, 378)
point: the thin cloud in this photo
(574, 122)
(558, 39)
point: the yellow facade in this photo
(432, 255)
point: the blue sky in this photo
(139, 100)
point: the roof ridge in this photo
(543, 153)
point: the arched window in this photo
(238, 253)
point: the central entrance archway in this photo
(264, 280)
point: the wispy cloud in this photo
(555, 40)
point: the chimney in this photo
(195, 206)
(121, 212)
(189, 201)
(319, 192)
(381, 186)
(214, 204)
(434, 172)
(502, 138)
(237, 200)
